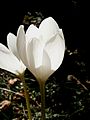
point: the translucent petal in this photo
(44, 71)
(61, 33)
(34, 55)
(55, 49)
(11, 42)
(22, 45)
(48, 28)
(32, 32)
(8, 61)
(37, 52)
(30, 58)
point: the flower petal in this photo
(44, 71)
(55, 49)
(32, 32)
(35, 55)
(48, 28)
(11, 42)
(61, 33)
(37, 52)
(30, 58)
(8, 61)
(22, 45)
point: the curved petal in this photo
(8, 61)
(30, 58)
(37, 52)
(11, 42)
(55, 49)
(61, 33)
(32, 32)
(22, 45)
(44, 71)
(48, 28)
(34, 55)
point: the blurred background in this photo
(70, 15)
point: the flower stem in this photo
(26, 96)
(42, 91)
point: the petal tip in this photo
(21, 27)
(50, 19)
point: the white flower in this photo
(9, 58)
(42, 48)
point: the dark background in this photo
(71, 15)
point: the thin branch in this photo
(4, 89)
(71, 77)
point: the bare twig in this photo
(17, 93)
(71, 77)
